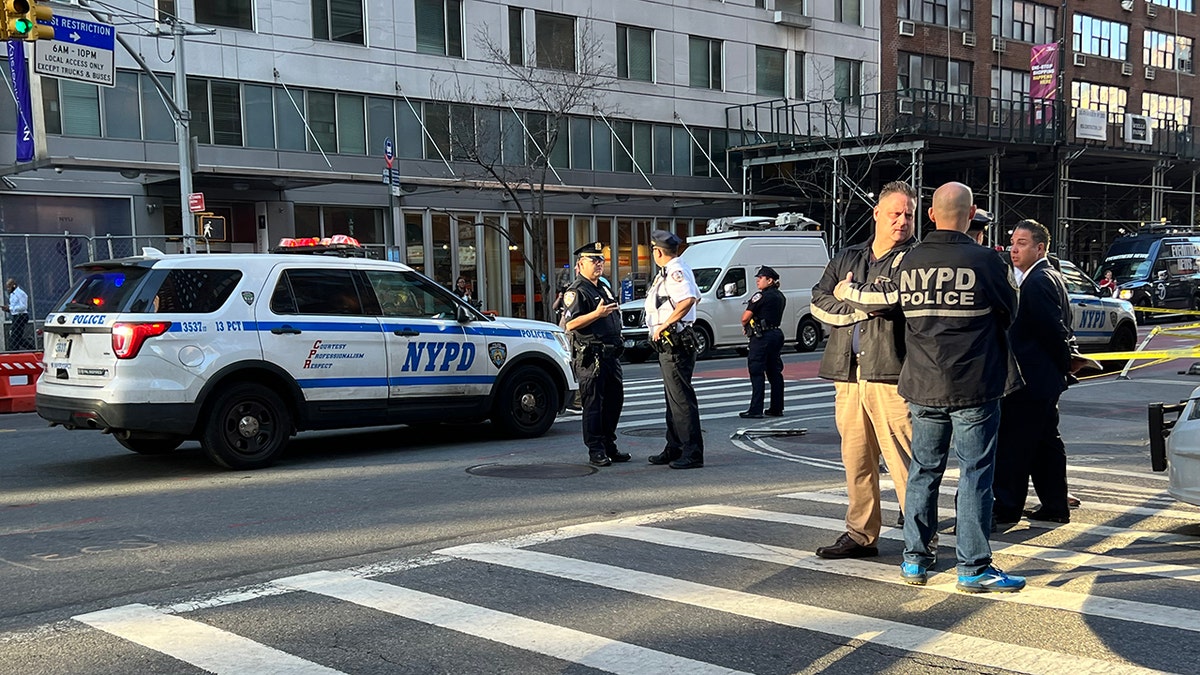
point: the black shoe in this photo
(846, 547)
(1043, 514)
(900, 520)
(682, 463)
(774, 413)
(750, 416)
(664, 457)
(618, 456)
(599, 460)
(1002, 517)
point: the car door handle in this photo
(285, 330)
(407, 332)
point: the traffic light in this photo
(21, 21)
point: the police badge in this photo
(497, 352)
(248, 296)
(569, 298)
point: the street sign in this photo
(196, 202)
(212, 227)
(81, 51)
(389, 151)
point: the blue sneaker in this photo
(991, 580)
(913, 574)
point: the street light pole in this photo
(183, 135)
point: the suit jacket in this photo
(1041, 332)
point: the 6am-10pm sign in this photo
(81, 51)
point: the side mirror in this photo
(1162, 275)
(730, 289)
(462, 314)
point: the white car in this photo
(241, 351)
(1179, 455)
(1101, 322)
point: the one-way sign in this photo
(81, 50)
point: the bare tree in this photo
(535, 95)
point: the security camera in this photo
(58, 169)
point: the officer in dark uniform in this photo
(760, 322)
(592, 320)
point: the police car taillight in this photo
(127, 338)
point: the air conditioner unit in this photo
(1183, 65)
(1150, 73)
(996, 117)
(969, 38)
(1126, 68)
(1080, 60)
(999, 45)
(904, 105)
(969, 115)
(1127, 5)
(908, 28)
(1151, 10)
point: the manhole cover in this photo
(532, 470)
(646, 432)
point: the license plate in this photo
(629, 344)
(62, 348)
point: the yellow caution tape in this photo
(1193, 352)
(1163, 310)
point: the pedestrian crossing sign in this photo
(211, 227)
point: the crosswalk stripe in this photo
(1088, 468)
(567, 644)
(1054, 555)
(1080, 603)
(199, 644)
(906, 637)
(713, 416)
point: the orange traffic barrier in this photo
(19, 372)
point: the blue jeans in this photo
(974, 431)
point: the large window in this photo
(122, 111)
(1181, 5)
(704, 63)
(1103, 97)
(635, 53)
(228, 13)
(516, 36)
(952, 13)
(555, 38)
(769, 68)
(1010, 85)
(933, 73)
(850, 11)
(439, 27)
(1100, 37)
(847, 81)
(1164, 50)
(338, 20)
(1167, 111)
(1024, 21)
(801, 85)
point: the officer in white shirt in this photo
(670, 312)
(18, 306)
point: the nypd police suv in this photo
(241, 351)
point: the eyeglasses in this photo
(593, 260)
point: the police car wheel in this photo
(527, 403)
(247, 426)
(149, 446)
(808, 335)
(1124, 339)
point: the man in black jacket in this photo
(863, 358)
(958, 300)
(1030, 445)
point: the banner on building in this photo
(1043, 80)
(20, 79)
(1091, 124)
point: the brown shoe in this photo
(846, 547)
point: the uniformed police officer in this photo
(670, 312)
(760, 322)
(592, 319)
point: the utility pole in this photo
(183, 134)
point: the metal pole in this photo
(184, 136)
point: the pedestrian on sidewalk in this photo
(760, 323)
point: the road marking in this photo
(1049, 598)
(567, 644)
(905, 637)
(199, 644)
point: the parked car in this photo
(1156, 269)
(1175, 446)
(1101, 322)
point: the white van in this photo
(724, 265)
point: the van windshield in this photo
(1127, 267)
(706, 277)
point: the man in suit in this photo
(1030, 445)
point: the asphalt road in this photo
(394, 550)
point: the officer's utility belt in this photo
(765, 328)
(589, 351)
(678, 337)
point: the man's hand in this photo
(658, 333)
(839, 291)
(603, 310)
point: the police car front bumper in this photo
(177, 419)
(635, 339)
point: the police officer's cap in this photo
(768, 272)
(665, 240)
(591, 250)
(980, 221)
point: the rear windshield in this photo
(102, 290)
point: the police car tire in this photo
(1124, 339)
(808, 335)
(149, 446)
(527, 403)
(225, 438)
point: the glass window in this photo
(322, 120)
(157, 122)
(166, 9)
(228, 13)
(102, 290)
(1167, 111)
(952, 13)
(410, 139)
(313, 291)
(289, 124)
(801, 87)
(197, 103)
(559, 143)
(186, 291)
(462, 130)
(681, 145)
(516, 36)
(381, 124)
(1022, 20)
(50, 105)
(735, 276)
(643, 146)
(1182, 5)
(847, 81)
(662, 149)
(1100, 37)
(635, 53)
(8, 107)
(581, 143)
(622, 159)
(488, 130)
(555, 41)
(338, 20)
(351, 125)
(602, 147)
(258, 111)
(699, 162)
(704, 63)
(410, 295)
(1102, 97)
(932, 73)
(769, 68)
(226, 113)
(1164, 50)
(512, 138)
(122, 115)
(439, 27)
(849, 11)
(437, 123)
(80, 108)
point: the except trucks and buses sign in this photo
(81, 51)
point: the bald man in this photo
(958, 300)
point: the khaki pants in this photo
(873, 420)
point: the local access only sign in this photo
(81, 51)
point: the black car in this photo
(1156, 270)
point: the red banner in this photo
(1043, 81)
